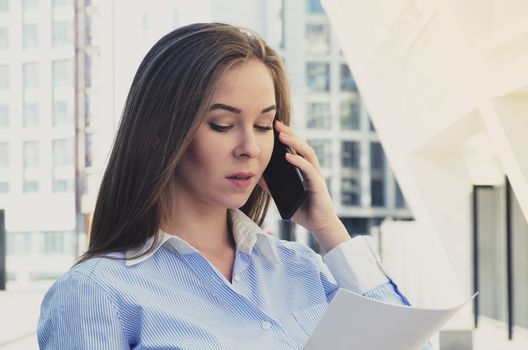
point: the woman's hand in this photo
(317, 213)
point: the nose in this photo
(247, 145)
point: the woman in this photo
(176, 258)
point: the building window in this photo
(53, 243)
(31, 154)
(30, 39)
(4, 6)
(62, 33)
(88, 29)
(28, 5)
(400, 200)
(18, 243)
(88, 157)
(314, 6)
(88, 110)
(350, 115)
(323, 151)
(350, 155)
(377, 173)
(88, 70)
(58, 243)
(4, 38)
(371, 126)
(30, 117)
(4, 116)
(62, 152)
(318, 116)
(61, 3)
(4, 155)
(350, 179)
(62, 185)
(377, 193)
(350, 191)
(317, 38)
(87, 105)
(30, 72)
(62, 116)
(62, 71)
(347, 82)
(377, 157)
(318, 77)
(62, 155)
(4, 77)
(4, 187)
(31, 186)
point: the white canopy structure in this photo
(446, 85)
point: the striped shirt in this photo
(174, 298)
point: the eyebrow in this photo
(237, 110)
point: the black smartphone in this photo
(285, 182)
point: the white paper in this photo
(353, 321)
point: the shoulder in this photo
(97, 265)
(80, 307)
(95, 274)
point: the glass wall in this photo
(492, 253)
(520, 265)
(501, 268)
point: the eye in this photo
(220, 128)
(263, 128)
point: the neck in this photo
(205, 228)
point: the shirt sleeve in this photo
(77, 314)
(356, 267)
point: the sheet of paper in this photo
(353, 321)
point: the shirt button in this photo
(266, 325)
(236, 278)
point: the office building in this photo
(37, 134)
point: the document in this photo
(355, 322)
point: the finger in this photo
(281, 127)
(302, 148)
(309, 172)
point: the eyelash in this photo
(221, 128)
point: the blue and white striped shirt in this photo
(173, 298)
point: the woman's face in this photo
(233, 145)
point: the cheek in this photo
(267, 149)
(207, 152)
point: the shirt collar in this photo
(246, 232)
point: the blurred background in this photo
(417, 110)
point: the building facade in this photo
(37, 134)
(331, 115)
(65, 69)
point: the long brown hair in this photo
(166, 104)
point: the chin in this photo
(237, 203)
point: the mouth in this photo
(241, 180)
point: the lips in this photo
(241, 176)
(241, 179)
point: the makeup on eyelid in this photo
(222, 128)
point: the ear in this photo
(262, 183)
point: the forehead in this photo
(248, 80)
